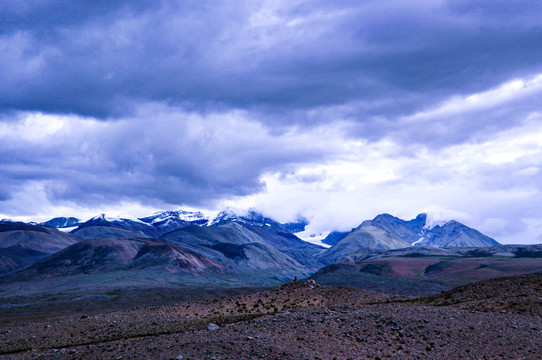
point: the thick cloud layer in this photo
(335, 110)
(160, 155)
(99, 58)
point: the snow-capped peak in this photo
(433, 221)
(250, 216)
(116, 219)
(182, 215)
(97, 217)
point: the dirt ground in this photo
(299, 320)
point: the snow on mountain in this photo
(420, 240)
(454, 234)
(433, 221)
(167, 221)
(386, 232)
(101, 225)
(250, 217)
(179, 215)
(422, 227)
(113, 219)
(225, 215)
(63, 223)
(434, 229)
(67, 229)
(427, 229)
(313, 238)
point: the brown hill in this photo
(518, 294)
(104, 255)
(23, 244)
(423, 275)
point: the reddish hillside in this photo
(103, 255)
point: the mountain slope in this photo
(422, 271)
(238, 249)
(62, 222)
(407, 231)
(104, 232)
(105, 255)
(387, 232)
(36, 237)
(334, 237)
(274, 234)
(15, 257)
(22, 244)
(104, 227)
(518, 294)
(296, 226)
(421, 231)
(455, 234)
(365, 236)
(303, 252)
(250, 217)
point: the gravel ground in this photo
(297, 321)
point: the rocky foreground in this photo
(300, 320)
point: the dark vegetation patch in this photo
(379, 283)
(374, 268)
(527, 253)
(440, 266)
(231, 251)
(337, 268)
(414, 255)
(59, 305)
(479, 253)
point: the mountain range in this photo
(234, 247)
(386, 232)
(418, 270)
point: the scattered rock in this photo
(212, 327)
(325, 322)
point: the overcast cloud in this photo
(332, 110)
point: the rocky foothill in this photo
(300, 320)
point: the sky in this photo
(335, 111)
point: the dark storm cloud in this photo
(461, 119)
(179, 158)
(46, 16)
(332, 104)
(100, 59)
